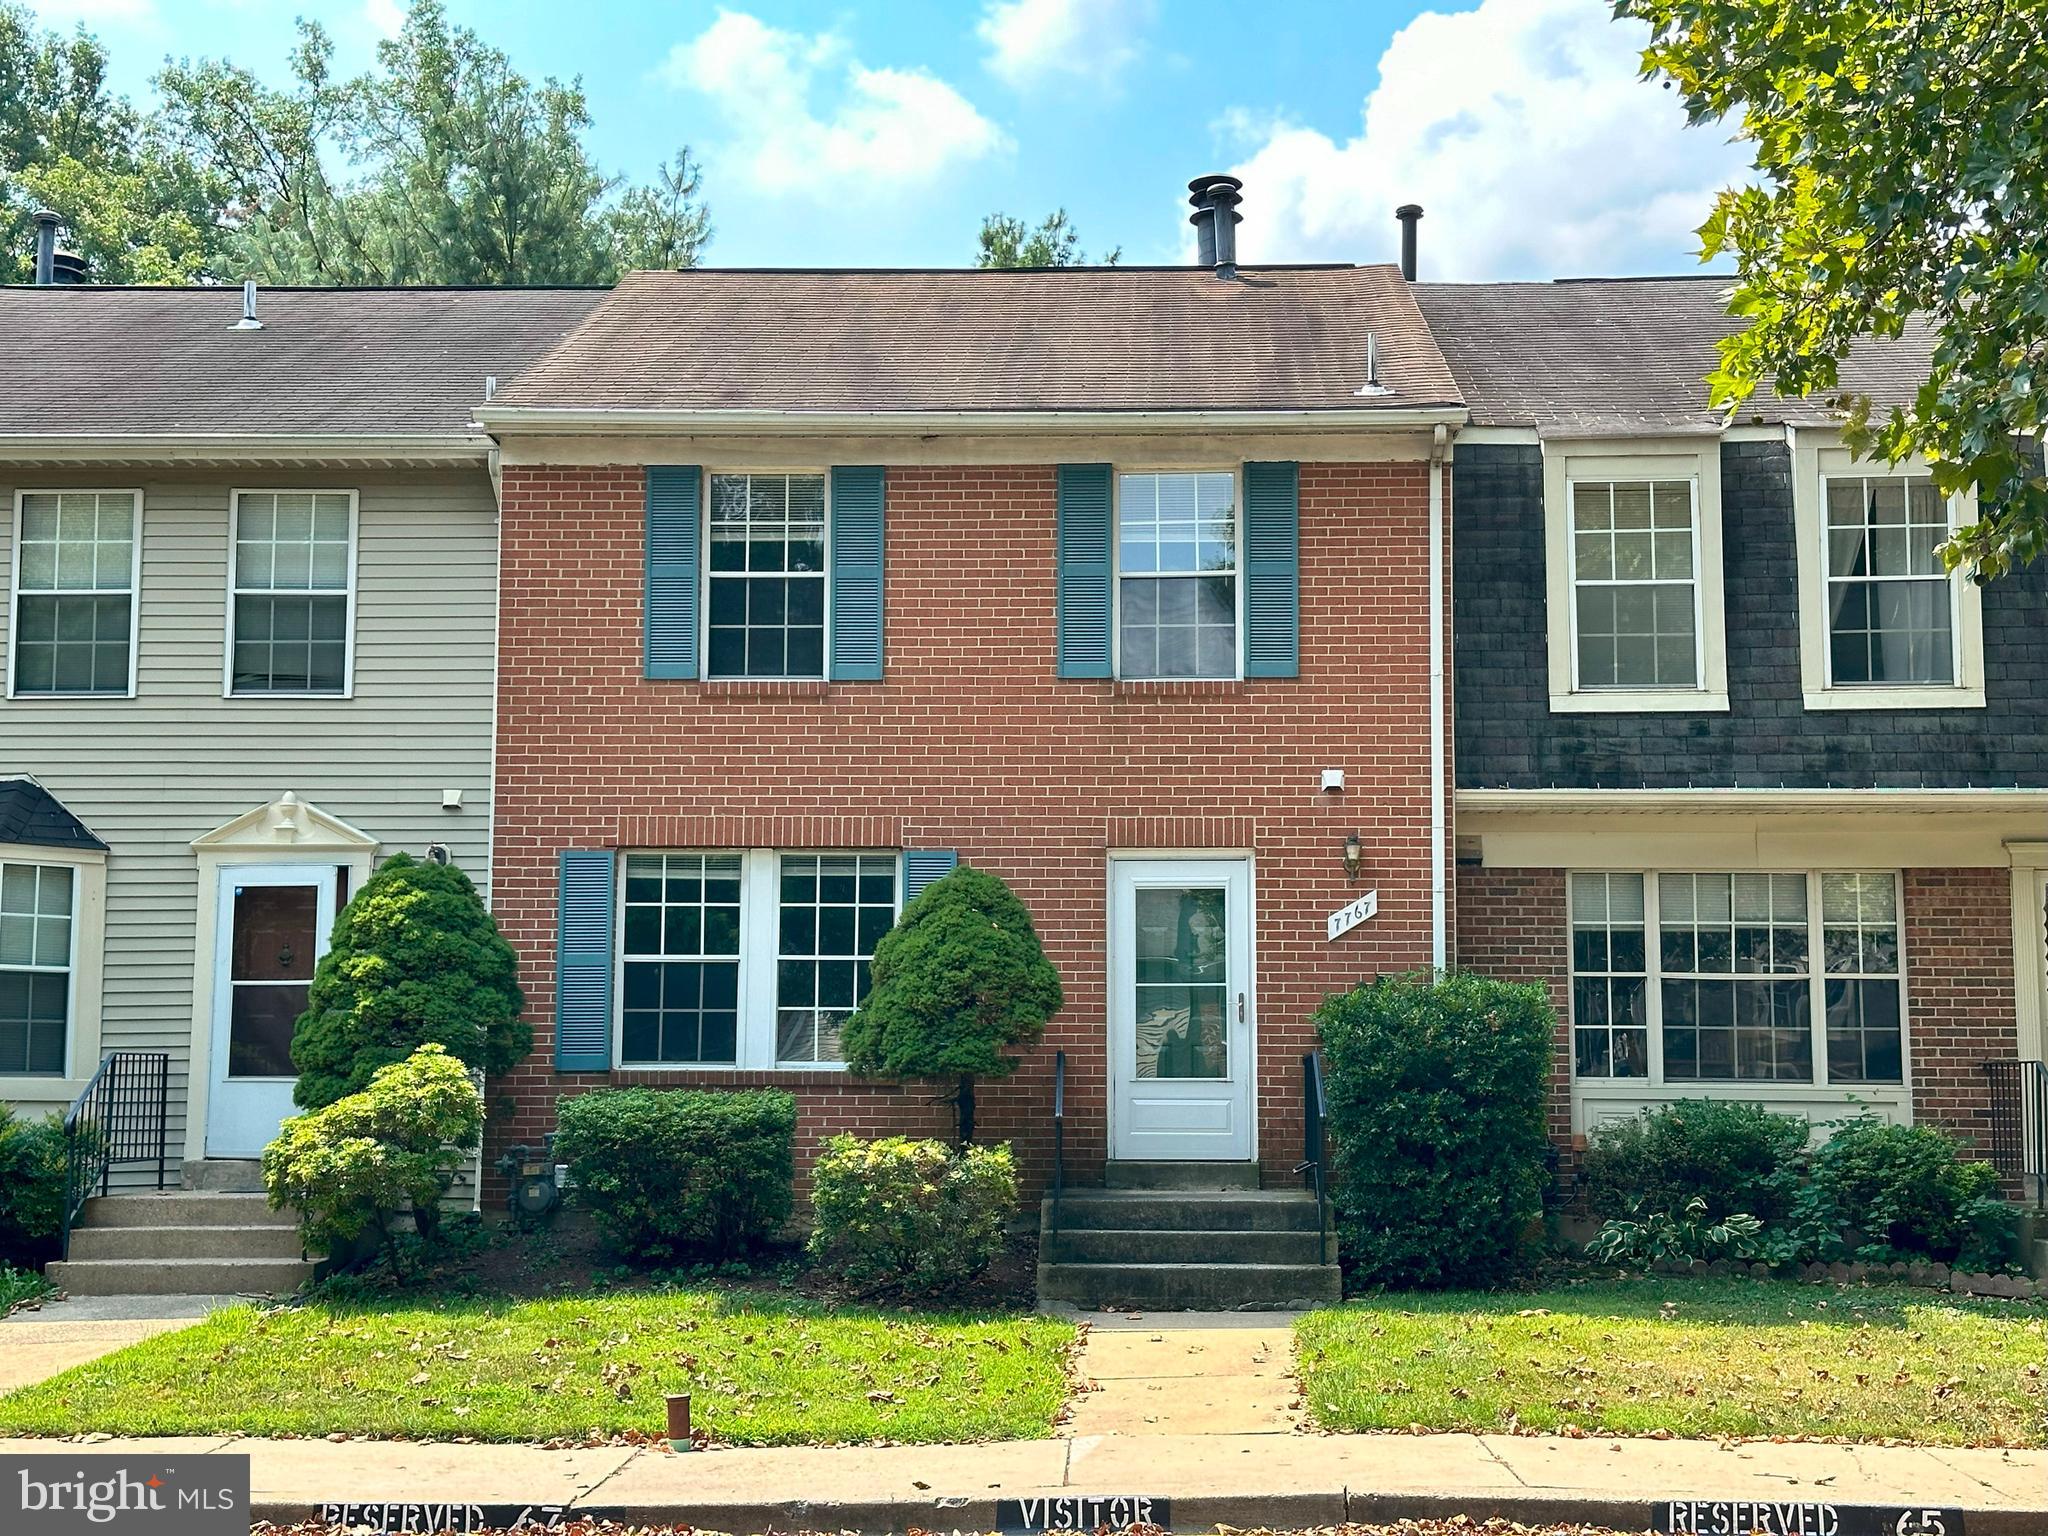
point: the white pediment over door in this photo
(286, 825)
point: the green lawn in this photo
(760, 1372)
(18, 1286)
(1691, 1357)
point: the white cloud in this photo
(1030, 40)
(385, 17)
(1523, 130)
(803, 114)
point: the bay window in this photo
(1687, 978)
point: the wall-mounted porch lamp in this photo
(1353, 857)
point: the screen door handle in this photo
(1240, 1007)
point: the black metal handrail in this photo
(1313, 1167)
(2019, 1126)
(121, 1117)
(1059, 1133)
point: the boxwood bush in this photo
(31, 1187)
(906, 1215)
(670, 1174)
(1911, 1192)
(1739, 1158)
(1437, 1092)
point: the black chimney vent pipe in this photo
(1215, 200)
(46, 247)
(1410, 214)
(67, 269)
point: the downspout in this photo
(1439, 946)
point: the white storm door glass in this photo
(271, 926)
(1180, 1018)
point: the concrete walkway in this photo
(37, 1342)
(1185, 1373)
(1271, 1480)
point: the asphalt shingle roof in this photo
(1076, 339)
(31, 815)
(1624, 356)
(145, 361)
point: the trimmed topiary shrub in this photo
(351, 1166)
(1740, 1159)
(415, 960)
(913, 1216)
(670, 1174)
(1437, 1095)
(31, 1187)
(1910, 1192)
(959, 982)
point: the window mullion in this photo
(758, 930)
(1653, 977)
(1816, 974)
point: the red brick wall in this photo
(1959, 975)
(972, 743)
(1960, 991)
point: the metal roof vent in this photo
(46, 247)
(248, 322)
(1215, 200)
(1410, 214)
(1372, 385)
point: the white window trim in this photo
(2030, 945)
(824, 673)
(760, 913)
(1816, 454)
(1695, 459)
(1116, 565)
(14, 595)
(42, 1091)
(1894, 1100)
(348, 641)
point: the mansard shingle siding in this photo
(1507, 736)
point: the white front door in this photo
(271, 926)
(1181, 1009)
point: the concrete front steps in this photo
(1184, 1237)
(188, 1243)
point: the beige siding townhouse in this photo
(250, 578)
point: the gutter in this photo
(1439, 901)
(1750, 801)
(218, 447)
(502, 419)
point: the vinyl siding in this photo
(151, 773)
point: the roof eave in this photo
(371, 448)
(499, 420)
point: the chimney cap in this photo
(1408, 211)
(49, 216)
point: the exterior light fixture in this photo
(1353, 857)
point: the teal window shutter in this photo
(1085, 516)
(674, 500)
(921, 866)
(1272, 570)
(857, 516)
(583, 960)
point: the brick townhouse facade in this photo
(1755, 789)
(1118, 563)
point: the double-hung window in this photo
(1694, 978)
(1633, 576)
(1881, 624)
(766, 576)
(1177, 575)
(747, 959)
(292, 592)
(37, 903)
(75, 570)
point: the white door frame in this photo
(232, 1101)
(287, 830)
(1235, 870)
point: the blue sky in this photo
(879, 134)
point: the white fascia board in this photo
(1746, 802)
(243, 447)
(504, 419)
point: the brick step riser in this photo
(178, 1277)
(184, 1210)
(1124, 1246)
(1248, 1213)
(90, 1243)
(1189, 1287)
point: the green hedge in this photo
(1738, 1158)
(913, 1216)
(31, 1187)
(1437, 1093)
(1910, 1191)
(670, 1174)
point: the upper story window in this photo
(1740, 978)
(1890, 605)
(1633, 576)
(1881, 624)
(291, 592)
(747, 959)
(36, 911)
(767, 576)
(1177, 575)
(75, 570)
